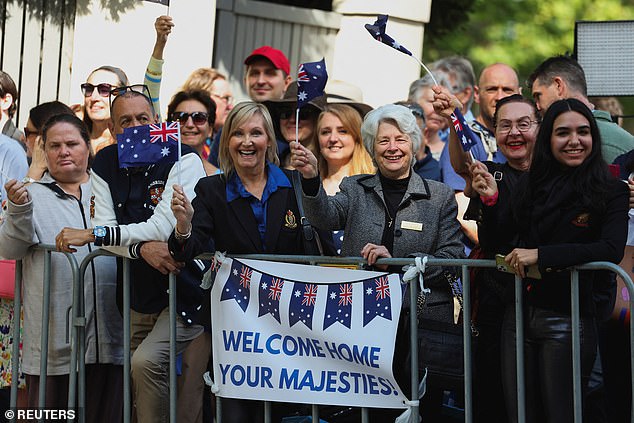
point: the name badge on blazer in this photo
(414, 226)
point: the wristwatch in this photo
(100, 233)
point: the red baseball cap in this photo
(274, 55)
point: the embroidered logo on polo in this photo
(289, 220)
(155, 190)
(92, 207)
(582, 220)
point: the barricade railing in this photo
(77, 367)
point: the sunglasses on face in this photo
(304, 114)
(102, 89)
(199, 118)
(29, 133)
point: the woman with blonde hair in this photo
(341, 152)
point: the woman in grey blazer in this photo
(393, 213)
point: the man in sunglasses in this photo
(132, 217)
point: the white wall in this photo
(383, 74)
(128, 43)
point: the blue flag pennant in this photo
(311, 81)
(270, 293)
(376, 299)
(148, 144)
(238, 285)
(339, 305)
(465, 135)
(377, 30)
(302, 304)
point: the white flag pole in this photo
(178, 163)
(297, 125)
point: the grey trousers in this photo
(150, 362)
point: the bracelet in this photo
(491, 200)
(181, 236)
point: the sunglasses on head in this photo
(102, 89)
(137, 88)
(28, 132)
(199, 118)
(304, 114)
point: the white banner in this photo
(298, 333)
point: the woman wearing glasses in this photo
(96, 92)
(196, 113)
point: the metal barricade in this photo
(77, 369)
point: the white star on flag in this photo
(297, 294)
(333, 296)
(368, 291)
(464, 140)
(136, 131)
(165, 151)
(264, 285)
(396, 45)
(302, 96)
(235, 272)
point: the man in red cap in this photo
(267, 75)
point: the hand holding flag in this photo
(149, 144)
(311, 81)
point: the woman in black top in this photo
(567, 210)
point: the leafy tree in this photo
(521, 33)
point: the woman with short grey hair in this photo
(392, 213)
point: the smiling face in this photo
(191, 133)
(571, 140)
(96, 105)
(264, 81)
(247, 145)
(66, 153)
(306, 127)
(336, 144)
(515, 145)
(392, 151)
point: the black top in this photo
(393, 193)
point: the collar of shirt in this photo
(275, 179)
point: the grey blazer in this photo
(360, 210)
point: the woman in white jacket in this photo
(35, 214)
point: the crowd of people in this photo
(536, 190)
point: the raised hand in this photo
(303, 160)
(482, 181)
(444, 102)
(16, 192)
(182, 210)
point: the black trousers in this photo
(548, 363)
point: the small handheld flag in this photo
(149, 144)
(311, 81)
(377, 30)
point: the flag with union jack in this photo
(270, 292)
(376, 299)
(302, 305)
(311, 81)
(377, 30)
(465, 135)
(238, 285)
(339, 305)
(148, 144)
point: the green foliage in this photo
(521, 33)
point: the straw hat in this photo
(338, 91)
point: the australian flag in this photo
(377, 30)
(339, 305)
(149, 144)
(311, 81)
(238, 285)
(302, 304)
(269, 294)
(376, 299)
(465, 135)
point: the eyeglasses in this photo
(137, 88)
(228, 99)
(28, 132)
(304, 114)
(523, 125)
(102, 89)
(199, 118)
